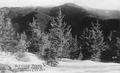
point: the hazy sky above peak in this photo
(99, 4)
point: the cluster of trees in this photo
(58, 42)
(53, 44)
(10, 40)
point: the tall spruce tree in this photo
(60, 35)
(94, 41)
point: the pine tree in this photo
(36, 41)
(113, 46)
(44, 45)
(21, 47)
(39, 38)
(22, 43)
(46, 42)
(94, 41)
(7, 33)
(118, 48)
(60, 35)
(75, 51)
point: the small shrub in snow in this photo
(4, 68)
(20, 56)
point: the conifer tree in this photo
(114, 46)
(60, 35)
(22, 43)
(44, 45)
(35, 40)
(75, 51)
(7, 33)
(94, 41)
(21, 47)
(118, 48)
(39, 38)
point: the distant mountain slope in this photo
(82, 17)
(76, 16)
(105, 14)
(22, 18)
(100, 13)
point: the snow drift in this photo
(65, 65)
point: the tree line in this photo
(58, 42)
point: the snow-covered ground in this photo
(65, 65)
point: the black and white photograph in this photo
(59, 36)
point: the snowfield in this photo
(65, 65)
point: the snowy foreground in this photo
(65, 65)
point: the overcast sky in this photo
(99, 4)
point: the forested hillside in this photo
(72, 31)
